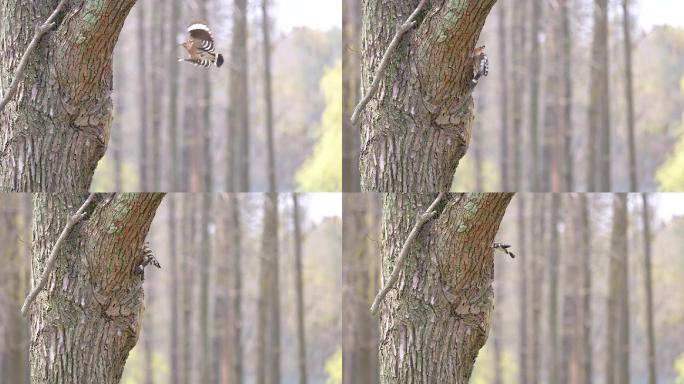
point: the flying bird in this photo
(501, 247)
(200, 46)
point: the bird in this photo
(503, 248)
(200, 46)
(481, 65)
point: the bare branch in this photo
(19, 73)
(51, 262)
(379, 74)
(420, 221)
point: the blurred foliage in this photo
(483, 372)
(134, 371)
(679, 368)
(670, 175)
(103, 180)
(333, 367)
(322, 171)
(465, 178)
(658, 67)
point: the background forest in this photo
(563, 308)
(568, 82)
(230, 241)
(220, 130)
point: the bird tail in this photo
(219, 60)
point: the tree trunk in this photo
(566, 100)
(268, 337)
(13, 328)
(186, 284)
(175, 278)
(504, 58)
(585, 254)
(538, 246)
(359, 342)
(172, 119)
(56, 128)
(417, 127)
(534, 74)
(236, 294)
(157, 39)
(142, 99)
(629, 95)
(622, 253)
(518, 73)
(553, 261)
(477, 146)
(618, 248)
(205, 266)
(268, 95)
(351, 39)
(570, 358)
(237, 154)
(117, 127)
(652, 378)
(598, 176)
(301, 336)
(89, 317)
(523, 352)
(550, 144)
(438, 316)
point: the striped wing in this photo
(201, 35)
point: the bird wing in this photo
(201, 35)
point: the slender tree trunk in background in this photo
(205, 103)
(101, 295)
(270, 240)
(351, 62)
(534, 74)
(148, 338)
(477, 145)
(622, 253)
(175, 281)
(504, 58)
(648, 282)
(205, 266)
(553, 262)
(566, 100)
(439, 313)
(599, 104)
(550, 141)
(238, 111)
(236, 291)
(629, 95)
(268, 337)
(13, 287)
(497, 326)
(268, 95)
(57, 126)
(186, 283)
(359, 342)
(157, 40)
(523, 352)
(537, 282)
(518, 73)
(570, 359)
(618, 247)
(299, 289)
(417, 127)
(585, 254)
(142, 99)
(172, 119)
(191, 117)
(117, 127)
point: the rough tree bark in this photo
(88, 317)
(437, 317)
(417, 126)
(56, 128)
